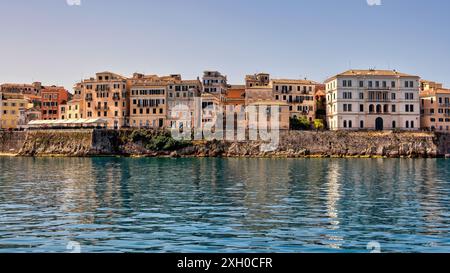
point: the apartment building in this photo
(214, 82)
(373, 100)
(14, 88)
(435, 107)
(181, 102)
(259, 79)
(13, 109)
(51, 99)
(298, 95)
(148, 101)
(106, 96)
(71, 110)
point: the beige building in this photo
(435, 107)
(106, 96)
(214, 82)
(30, 89)
(181, 102)
(373, 100)
(298, 95)
(148, 101)
(259, 79)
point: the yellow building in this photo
(71, 110)
(13, 110)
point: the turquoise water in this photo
(224, 205)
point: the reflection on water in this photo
(224, 205)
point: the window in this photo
(407, 124)
(393, 84)
(361, 108)
(361, 84)
(393, 108)
(361, 96)
(361, 124)
(393, 96)
(345, 124)
(394, 124)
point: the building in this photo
(214, 82)
(181, 102)
(258, 94)
(71, 110)
(51, 99)
(30, 89)
(148, 101)
(435, 107)
(267, 107)
(106, 96)
(259, 79)
(298, 95)
(13, 109)
(373, 100)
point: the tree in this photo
(318, 124)
(301, 123)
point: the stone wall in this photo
(158, 143)
(11, 142)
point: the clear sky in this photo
(56, 43)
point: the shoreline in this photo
(291, 144)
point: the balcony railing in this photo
(378, 100)
(104, 108)
(379, 88)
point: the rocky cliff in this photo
(159, 143)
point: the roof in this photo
(293, 81)
(434, 92)
(371, 72)
(269, 102)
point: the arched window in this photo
(371, 108)
(394, 124)
(378, 108)
(345, 124)
(412, 124)
(386, 108)
(407, 124)
(361, 124)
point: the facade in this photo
(148, 101)
(30, 89)
(298, 94)
(435, 107)
(107, 97)
(373, 100)
(71, 110)
(258, 94)
(259, 79)
(51, 99)
(181, 102)
(13, 109)
(267, 106)
(214, 82)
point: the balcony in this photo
(379, 88)
(378, 100)
(116, 97)
(444, 105)
(101, 108)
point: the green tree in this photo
(318, 124)
(301, 123)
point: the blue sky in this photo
(51, 41)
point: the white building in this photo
(373, 100)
